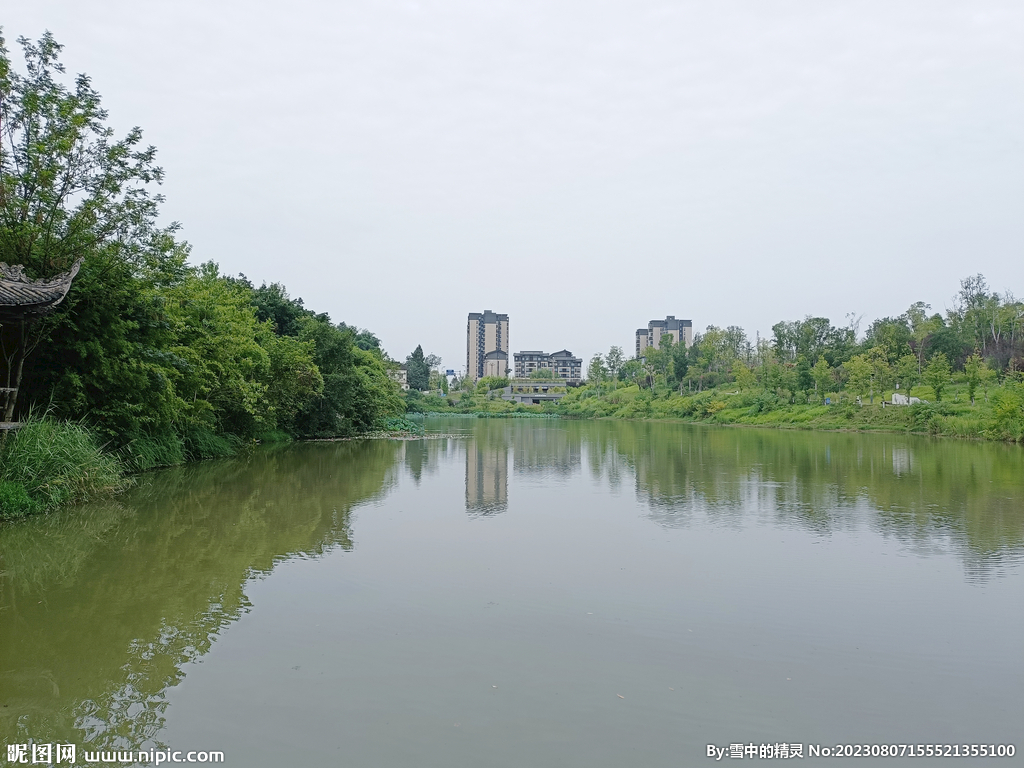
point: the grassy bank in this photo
(50, 463)
(1000, 416)
(47, 464)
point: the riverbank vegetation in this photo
(149, 360)
(964, 368)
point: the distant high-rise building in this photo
(562, 364)
(681, 332)
(486, 345)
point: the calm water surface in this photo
(529, 593)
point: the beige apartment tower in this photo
(486, 345)
(681, 332)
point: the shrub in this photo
(763, 403)
(15, 501)
(1008, 413)
(400, 424)
(201, 443)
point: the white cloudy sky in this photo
(583, 166)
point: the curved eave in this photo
(20, 298)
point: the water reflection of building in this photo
(486, 477)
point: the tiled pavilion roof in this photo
(23, 298)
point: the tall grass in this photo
(54, 463)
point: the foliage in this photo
(1008, 413)
(859, 370)
(56, 463)
(907, 372)
(491, 383)
(67, 186)
(542, 374)
(743, 375)
(70, 190)
(15, 501)
(613, 361)
(417, 370)
(822, 375)
(937, 374)
(164, 361)
(975, 370)
(630, 371)
(400, 424)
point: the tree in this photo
(630, 371)
(881, 372)
(417, 370)
(68, 189)
(596, 371)
(907, 372)
(364, 339)
(922, 326)
(822, 375)
(974, 368)
(745, 378)
(937, 374)
(542, 374)
(859, 370)
(613, 360)
(890, 335)
(987, 377)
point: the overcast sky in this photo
(582, 166)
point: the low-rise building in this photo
(527, 392)
(496, 363)
(681, 332)
(562, 364)
(401, 376)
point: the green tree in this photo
(417, 370)
(937, 374)
(922, 326)
(224, 373)
(892, 336)
(745, 378)
(881, 372)
(859, 371)
(974, 368)
(630, 371)
(822, 375)
(907, 372)
(596, 371)
(542, 374)
(613, 361)
(69, 189)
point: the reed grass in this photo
(54, 463)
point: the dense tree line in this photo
(976, 349)
(981, 338)
(163, 359)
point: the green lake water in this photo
(530, 593)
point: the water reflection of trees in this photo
(100, 607)
(926, 492)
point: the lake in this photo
(530, 592)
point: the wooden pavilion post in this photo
(22, 301)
